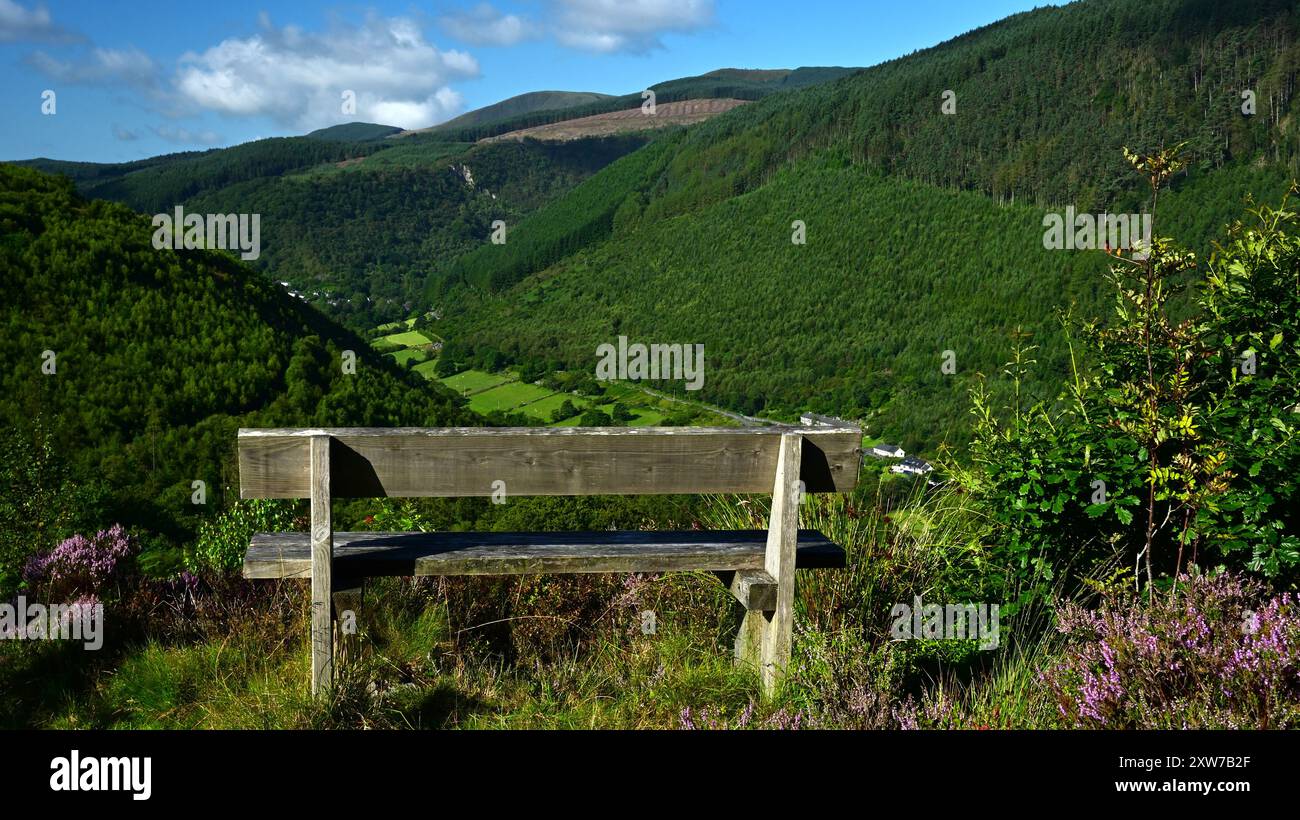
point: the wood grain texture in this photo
(753, 589)
(751, 623)
(460, 462)
(369, 554)
(321, 560)
(347, 598)
(779, 561)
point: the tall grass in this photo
(568, 652)
(919, 541)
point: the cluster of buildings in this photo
(910, 465)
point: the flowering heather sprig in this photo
(81, 608)
(1269, 646)
(81, 565)
(186, 583)
(708, 718)
(1217, 655)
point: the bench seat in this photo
(364, 554)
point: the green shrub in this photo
(1176, 442)
(221, 543)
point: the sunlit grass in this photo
(418, 668)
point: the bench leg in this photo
(766, 636)
(749, 637)
(322, 560)
(755, 595)
(347, 600)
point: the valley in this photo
(560, 399)
(1094, 442)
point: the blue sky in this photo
(136, 79)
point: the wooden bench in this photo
(757, 565)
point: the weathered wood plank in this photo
(321, 562)
(458, 462)
(370, 554)
(749, 637)
(779, 561)
(753, 589)
(347, 600)
(539, 432)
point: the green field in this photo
(543, 408)
(617, 391)
(411, 346)
(473, 381)
(506, 397)
(393, 326)
(491, 392)
(409, 354)
(646, 417)
(643, 416)
(409, 338)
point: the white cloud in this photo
(485, 26)
(124, 134)
(298, 78)
(129, 66)
(627, 25)
(441, 106)
(18, 23)
(603, 26)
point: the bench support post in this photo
(764, 637)
(347, 600)
(322, 559)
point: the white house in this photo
(888, 451)
(912, 465)
(817, 420)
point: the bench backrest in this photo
(468, 461)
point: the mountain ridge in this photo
(1107, 74)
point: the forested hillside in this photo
(923, 229)
(358, 223)
(354, 132)
(360, 241)
(356, 227)
(131, 368)
(162, 183)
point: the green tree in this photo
(566, 410)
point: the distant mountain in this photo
(354, 132)
(430, 196)
(516, 106)
(726, 83)
(161, 183)
(90, 173)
